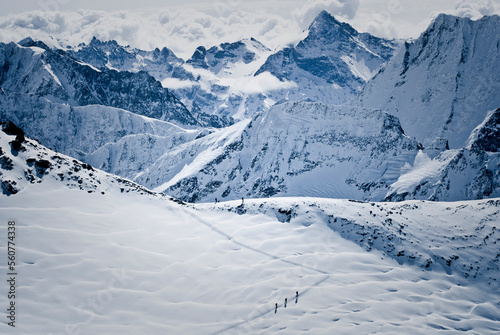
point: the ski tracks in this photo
(263, 312)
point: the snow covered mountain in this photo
(108, 254)
(331, 64)
(224, 56)
(311, 149)
(292, 149)
(443, 84)
(124, 141)
(160, 64)
(238, 79)
(25, 162)
(204, 83)
(410, 267)
(223, 81)
(472, 172)
(299, 148)
(31, 67)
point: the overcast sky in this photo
(156, 23)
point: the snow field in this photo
(131, 264)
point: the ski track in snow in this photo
(246, 246)
(229, 237)
(270, 310)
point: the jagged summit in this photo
(225, 55)
(443, 19)
(486, 136)
(331, 64)
(29, 42)
(325, 25)
(109, 54)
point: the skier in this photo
(242, 201)
(276, 308)
(296, 296)
(286, 300)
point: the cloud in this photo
(184, 28)
(262, 83)
(180, 29)
(346, 9)
(474, 9)
(174, 83)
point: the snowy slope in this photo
(25, 162)
(301, 148)
(472, 172)
(137, 263)
(444, 83)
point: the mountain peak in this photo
(327, 26)
(29, 42)
(324, 16)
(448, 20)
(97, 42)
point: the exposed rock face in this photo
(444, 83)
(296, 148)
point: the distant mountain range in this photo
(341, 114)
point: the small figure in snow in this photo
(286, 300)
(242, 201)
(276, 308)
(296, 296)
(216, 201)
